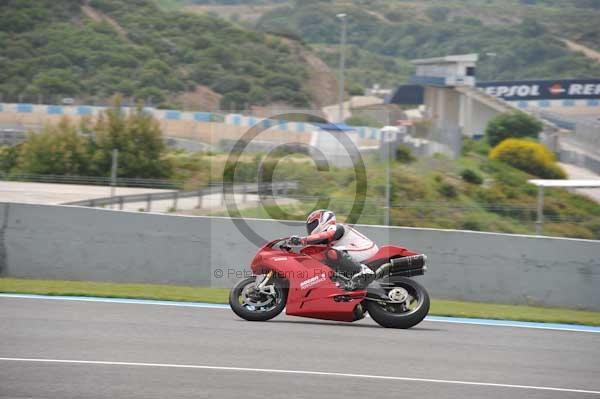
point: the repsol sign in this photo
(543, 89)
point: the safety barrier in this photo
(53, 111)
(78, 243)
(91, 180)
(149, 198)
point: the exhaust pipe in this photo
(408, 262)
(407, 266)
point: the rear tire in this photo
(386, 315)
(247, 311)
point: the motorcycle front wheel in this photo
(250, 304)
(407, 306)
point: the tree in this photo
(138, 138)
(512, 124)
(56, 150)
(356, 89)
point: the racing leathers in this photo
(348, 248)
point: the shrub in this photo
(512, 124)
(404, 154)
(470, 176)
(448, 190)
(528, 156)
(56, 150)
(8, 158)
(472, 224)
(479, 146)
(356, 89)
(493, 195)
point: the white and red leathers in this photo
(348, 247)
(344, 238)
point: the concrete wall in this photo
(60, 242)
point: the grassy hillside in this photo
(93, 49)
(433, 193)
(526, 36)
(389, 33)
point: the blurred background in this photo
(151, 97)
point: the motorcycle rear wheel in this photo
(253, 306)
(392, 315)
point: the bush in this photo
(8, 158)
(356, 89)
(470, 145)
(472, 224)
(56, 150)
(404, 154)
(448, 190)
(470, 176)
(512, 124)
(528, 156)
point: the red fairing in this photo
(311, 292)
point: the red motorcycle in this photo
(295, 278)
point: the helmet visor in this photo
(311, 226)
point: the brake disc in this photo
(398, 295)
(250, 297)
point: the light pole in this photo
(113, 173)
(341, 84)
(388, 140)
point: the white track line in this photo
(297, 372)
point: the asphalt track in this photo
(82, 349)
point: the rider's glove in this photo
(295, 240)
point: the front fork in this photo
(262, 281)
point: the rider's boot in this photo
(362, 279)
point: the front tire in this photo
(254, 306)
(392, 315)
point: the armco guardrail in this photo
(77, 243)
(120, 200)
(91, 180)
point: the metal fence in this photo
(92, 180)
(446, 214)
(278, 188)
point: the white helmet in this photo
(319, 220)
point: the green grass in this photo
(114, 290)
(430, 192)
(513, 312)
(219, 295)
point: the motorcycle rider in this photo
(348, 247)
